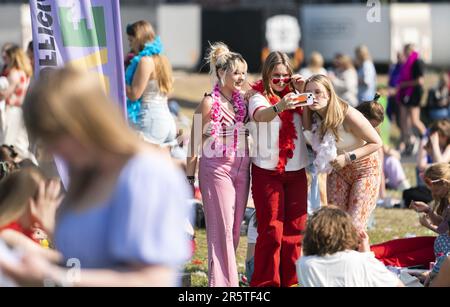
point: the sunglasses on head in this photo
(437, 182)
(284, 80)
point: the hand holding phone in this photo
(304, 99)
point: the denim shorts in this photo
(157, 123)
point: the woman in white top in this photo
(346, 80)
(335, 255)
(279, 185)
(347, 144)
(367, 75)
(149, 81)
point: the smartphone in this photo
(304, 99)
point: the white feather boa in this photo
(324, 148)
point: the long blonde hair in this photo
(435, 172)
(19, 60)
(220, 58)
(336, 109)
(69, 102)
(144, 33)
(273, 59)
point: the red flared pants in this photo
(281, 213)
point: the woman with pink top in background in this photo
(224, 173)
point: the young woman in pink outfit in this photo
(224, 163)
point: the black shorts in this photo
(415, 98)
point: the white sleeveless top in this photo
(152, 94)
(347, 141)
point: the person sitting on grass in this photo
(437, 217)
(335, 255)
(434, 149)
(442, 279)
(420, 251)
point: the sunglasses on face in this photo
(284, 80)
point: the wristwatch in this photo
(275, 109)
(352, 157)
(190, 179)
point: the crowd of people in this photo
(316, 171)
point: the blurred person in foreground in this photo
(116, 219)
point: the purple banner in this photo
(83, 33)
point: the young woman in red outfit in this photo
(279, 185)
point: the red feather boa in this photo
(287, 133)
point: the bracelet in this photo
(190, 179)
(275, 109)
(347, 157)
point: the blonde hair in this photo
(19, 60)
(329, 230)
(336, 108)
(316, 60)
(15, 192)
(164, 74)
(362, 53)
(273, 59)
(435, 172)
(144, 33)
(7, 45)
(220, 58)
(346, 62)
(69, 102)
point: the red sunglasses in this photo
(284, 80)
